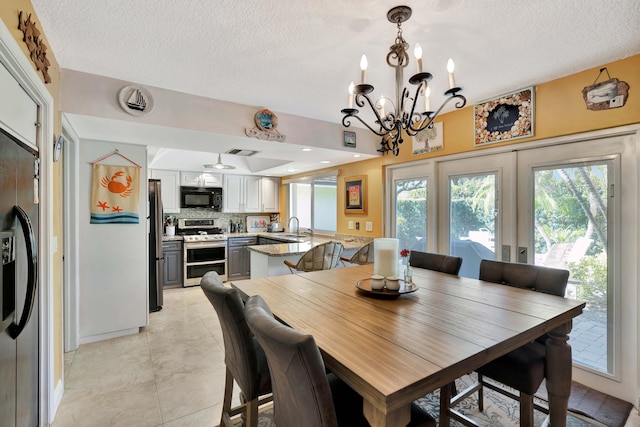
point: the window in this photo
(314, 203)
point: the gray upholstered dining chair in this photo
(438, 262)
(522, 369)
(362, 256)
(324, 256)
(303, 393)
(243, 356)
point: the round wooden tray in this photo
(364, 286)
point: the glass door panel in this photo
(472, 221)
(567, 219)
(473, 193)
(411, 213)
(570, 232)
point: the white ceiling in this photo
(298, 57)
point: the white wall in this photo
(90, 95)
(113, 257)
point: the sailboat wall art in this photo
(135, 100)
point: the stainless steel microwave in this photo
(199, 197)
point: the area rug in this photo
(587, 408)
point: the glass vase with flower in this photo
(408, 274)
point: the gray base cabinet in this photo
(239, 257)
(268, 241)
(172, 252)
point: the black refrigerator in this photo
(19, 338)
(156, 258)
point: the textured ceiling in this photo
(298, 57)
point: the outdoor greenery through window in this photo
(571, 211)
(411, 214)
(314, 203)
(472, 220)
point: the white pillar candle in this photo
(387, 262)
(386, 255)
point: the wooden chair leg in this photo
(526, 410)
(225, 419)
(480, 394)
(251, 411)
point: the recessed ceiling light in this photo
(291, 170)
(325, 161)
(356, 155)
(306, 149)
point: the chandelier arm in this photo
(462, 101)
(379, 120)
(347, 123)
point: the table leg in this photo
(446, 393)
(377, 418)
(558, 374)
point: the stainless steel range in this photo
(205, 249)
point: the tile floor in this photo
(171, 374)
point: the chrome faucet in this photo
(297, 224)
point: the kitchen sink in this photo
(293, 237)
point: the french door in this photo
(569, 218)
(557, 206)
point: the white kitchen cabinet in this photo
(169, 188)
(232, 193)
(252, 194)
(270, 194)
(242, 193)
(201, 179)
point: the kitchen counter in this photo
(293, 244)
(302, 245)
(268, 260)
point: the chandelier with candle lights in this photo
(403, 115)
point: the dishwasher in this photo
(239, 257)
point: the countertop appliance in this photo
(156, 257)
(205, 249)
(19, 335)
(277, 227)
(197, 197)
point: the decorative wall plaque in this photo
(136, 100)
(506, 117)
(37, 49)
(611, 93)
(266, 127)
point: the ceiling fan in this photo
(219, 165)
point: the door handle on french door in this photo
(7, 278)
(32, 272)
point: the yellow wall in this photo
(559, 110)
(9, 10)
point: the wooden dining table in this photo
(395, 350)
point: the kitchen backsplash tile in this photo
(223, 217)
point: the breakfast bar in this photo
(395, 350)
(268, 260)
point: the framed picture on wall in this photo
(504, 118)
(349, 138)
(356, 194)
